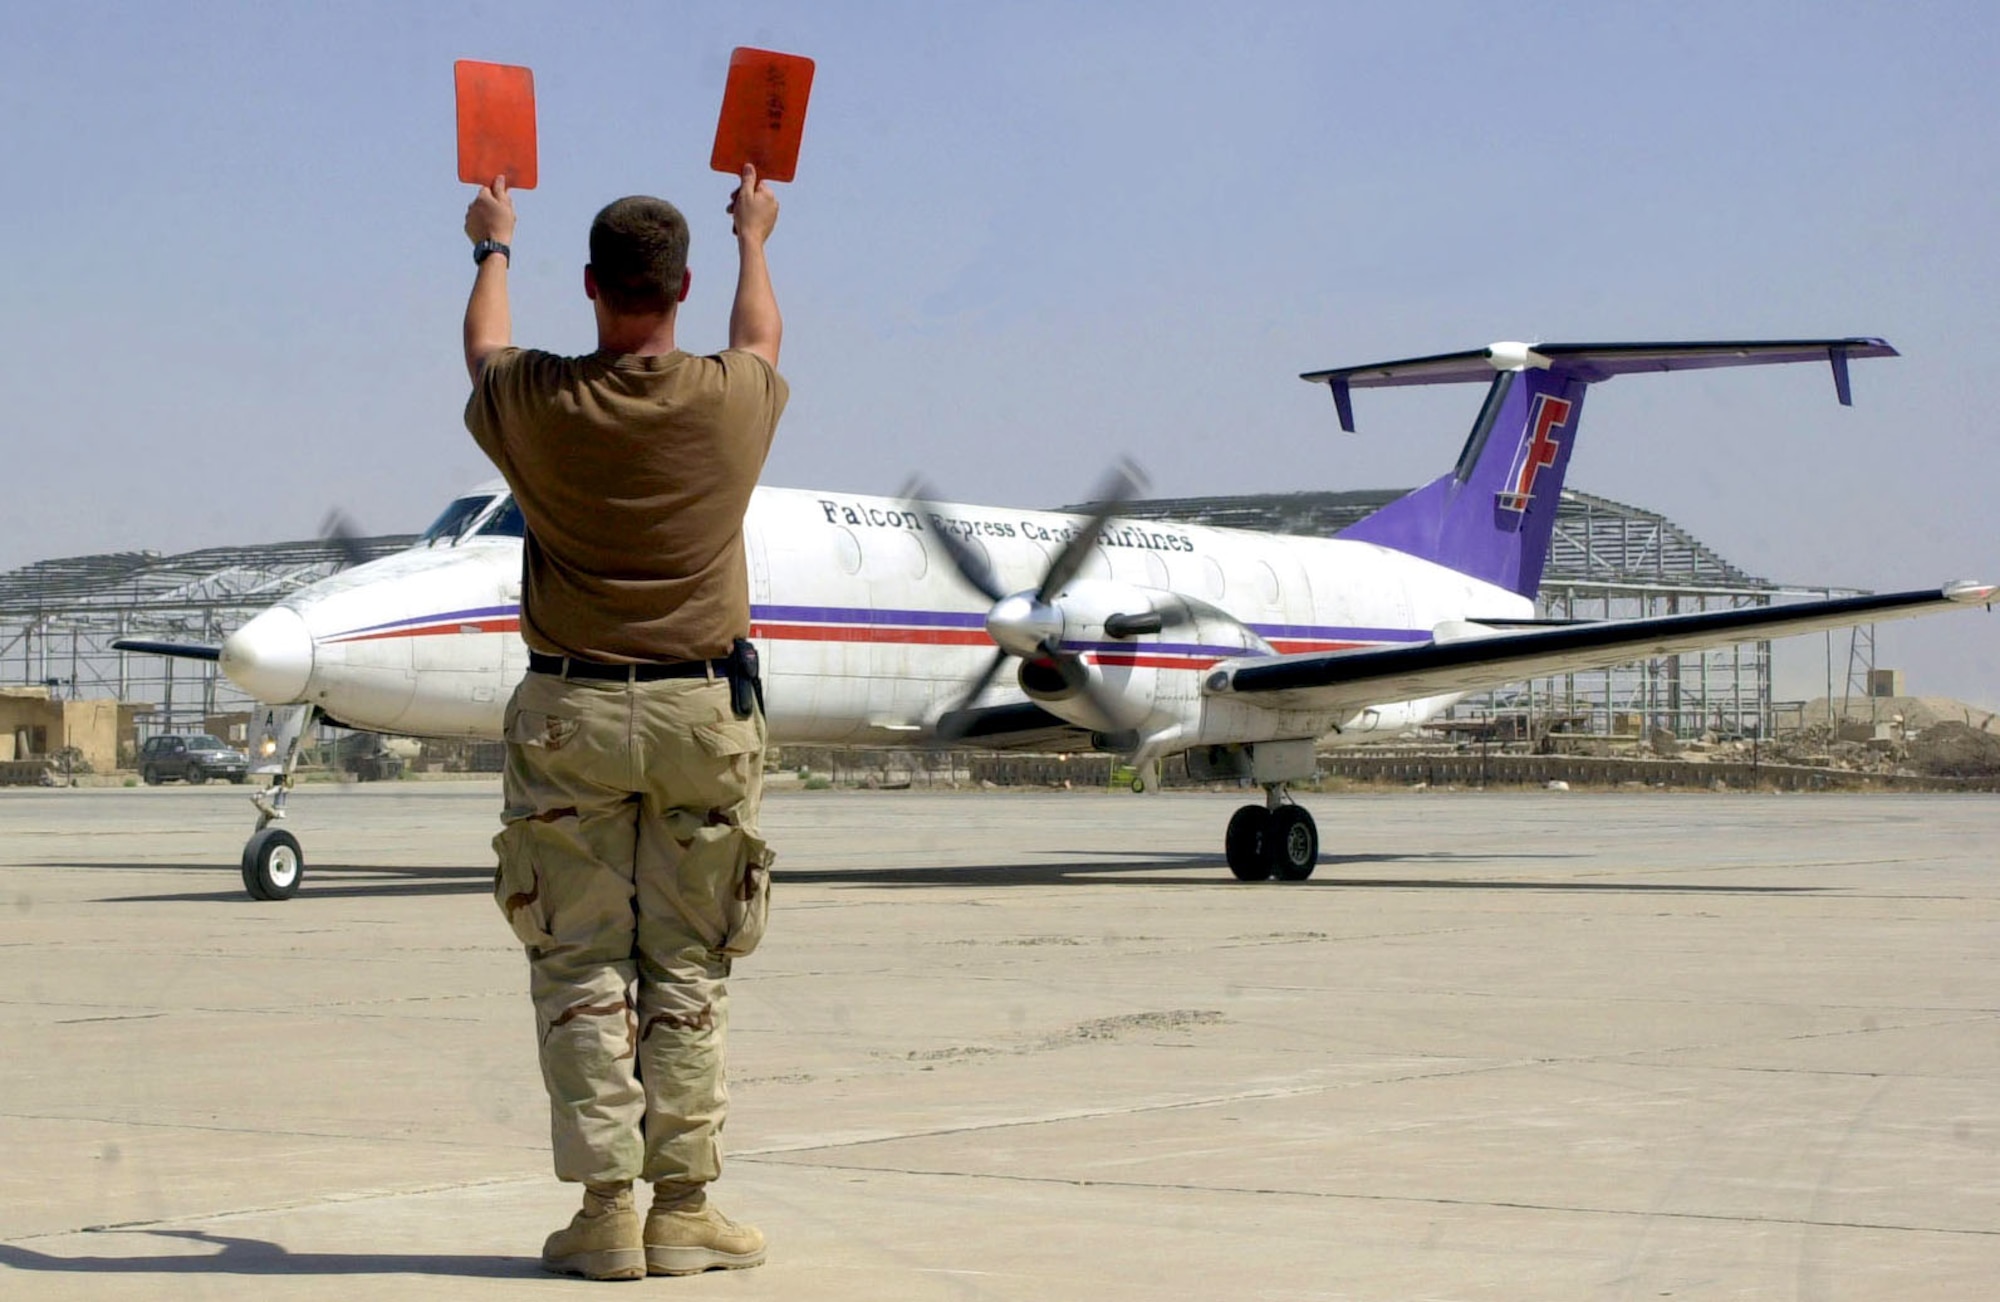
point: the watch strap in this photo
(485, 247)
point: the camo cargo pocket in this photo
(734, 745)
(539, 728)
(517, 887)
(747, 907)
(741, 881)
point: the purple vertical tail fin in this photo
(1493, 515)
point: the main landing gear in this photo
(1275, 839)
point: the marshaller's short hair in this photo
(638, 254)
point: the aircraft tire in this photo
(274, 867)
(1291, 843)
(1243, 843)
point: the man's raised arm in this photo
(489, 224)
(754, 323)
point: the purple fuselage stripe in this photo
(483, 612)
(1339, 634)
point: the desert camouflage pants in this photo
(631, 868)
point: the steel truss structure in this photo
(1607, 560)
(59, 618)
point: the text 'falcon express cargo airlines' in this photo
(887, 621)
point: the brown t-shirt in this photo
(633, 474)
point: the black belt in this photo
(597, 670)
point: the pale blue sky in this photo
(1024, 239)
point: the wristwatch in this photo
(484, 247)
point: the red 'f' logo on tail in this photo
(1538, 450)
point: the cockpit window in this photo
(455, 519)
(505, 522)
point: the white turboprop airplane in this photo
(885, 621)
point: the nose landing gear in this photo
(274, 865)
(1275, 839)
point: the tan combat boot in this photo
(602, 1241)
(685, 1236)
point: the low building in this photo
(34, 725)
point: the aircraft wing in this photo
(1472, 658)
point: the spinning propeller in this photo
(1028, 625)
(340, 532)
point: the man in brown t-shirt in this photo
(630, 863)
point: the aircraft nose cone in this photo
(271, 657)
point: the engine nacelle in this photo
(1131, 659)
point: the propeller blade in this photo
(1074, 675)
(340, 530)
(948, 732)
(971, 566)
(1107, 703)
(1117, 489)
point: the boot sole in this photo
(693, 1261)
(609, 1264)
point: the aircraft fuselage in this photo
(866, 632)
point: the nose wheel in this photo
(1273, 840)
(273, 865)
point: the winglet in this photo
(1343, 403)
(1837, 355)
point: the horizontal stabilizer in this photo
(1344, 680)
(1591, 363)
(178, 650)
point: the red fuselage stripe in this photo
(438, 630)
(868, 633)
(871, 633)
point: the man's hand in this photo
(754, 207)
(490, 216)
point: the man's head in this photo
(638, 256)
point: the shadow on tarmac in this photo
(240, 1256)
(1145, 872)
(338, 880)
(361, 881)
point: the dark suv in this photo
(197, 759)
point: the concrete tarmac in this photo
(1036, 1046)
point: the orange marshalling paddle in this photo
(763, 113)
(496, 123)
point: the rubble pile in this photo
(1955, 750)
(1914, 712)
